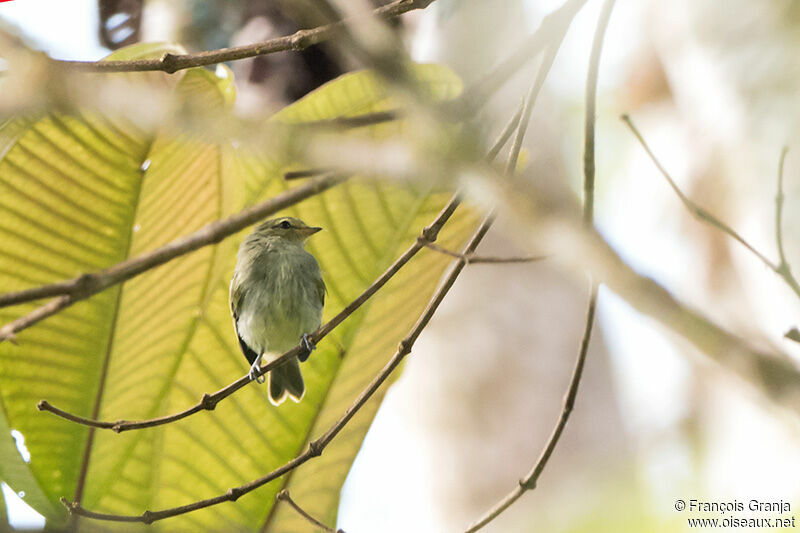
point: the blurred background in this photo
(714, 88)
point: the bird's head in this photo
(287, 229)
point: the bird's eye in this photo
(285, 224)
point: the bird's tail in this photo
(286, 380)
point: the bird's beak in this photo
(309, 231)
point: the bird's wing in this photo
(237, 298)
(321, 289)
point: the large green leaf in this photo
(80, 193)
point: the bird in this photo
(276, 296)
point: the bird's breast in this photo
(282, 302)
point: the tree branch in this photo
(530, 480)
(86, 285)
(209, 401)
(283, 496)
(300, 40)
(702, 215)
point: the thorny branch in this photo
(209, 401)
(781, 269)
(86, 285)
(530, 480)
(298, 41)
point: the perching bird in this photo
(277, 294)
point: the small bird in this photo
(276, 296)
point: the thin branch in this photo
(478, 259)
(704, 216)
(209, 401)
(86, 285)
(298, 41)
(283, 496)
(8, 332)
(530, 480)
(783, 264)
(695, 210)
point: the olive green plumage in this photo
(276, 296)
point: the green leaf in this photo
(80, 193)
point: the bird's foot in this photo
(254, 368)
(308, 347)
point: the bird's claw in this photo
(254, 373)
(308, 347)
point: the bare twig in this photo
(479, 259)
(283, 496)
(86, 285)
(703, 215)
(209, 401)
(299, 40)
(530, 480)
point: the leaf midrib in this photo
(81, 483)
(193, 326)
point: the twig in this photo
(530, 480)
(704, 216)
(86, 285)
(477, 259)
(283, 496)
(783, 264)
(209, 401)
(298, 41)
